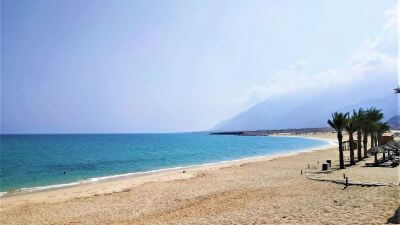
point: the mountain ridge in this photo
(394, 122)
(293, 112)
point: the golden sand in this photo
(268, 190)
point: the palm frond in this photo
(339, 121)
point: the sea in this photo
(36, 162)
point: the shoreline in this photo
(257, 190)
(132, 175)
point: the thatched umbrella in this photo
(390, 146)
(387, 149)
(393, 144)
(375, 150)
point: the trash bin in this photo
(329, 162)
(325, 166)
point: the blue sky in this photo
(164, 66)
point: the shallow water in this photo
(42, 160)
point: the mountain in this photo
(255, 117)
(394, 122)
(388, 105)
(296, 112)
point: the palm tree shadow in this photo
(395, 219)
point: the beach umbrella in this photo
(388, 147)
(376, 149)
(393, 144)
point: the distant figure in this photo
(184, 172)
(64, 172)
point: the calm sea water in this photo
(42, 160)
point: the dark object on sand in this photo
(325, 166)
(329, 162)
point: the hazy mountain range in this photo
(299, 112)
(394, 122)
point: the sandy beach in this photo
(264, 190)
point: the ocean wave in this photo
(89, 180)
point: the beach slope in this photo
(268, 190)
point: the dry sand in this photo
(268, 190)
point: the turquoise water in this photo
(41, 160)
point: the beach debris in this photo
(184, 171)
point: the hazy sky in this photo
(162, 66)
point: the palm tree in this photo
(366, 127)
(358, 117)
(397, 90)
(374, 139)
(339, 122)
(351, 128)
(381, 129)
(374, 115)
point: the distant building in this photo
(386, 139)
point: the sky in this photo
(170, 66)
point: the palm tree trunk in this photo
(352, 162)
(372, 140)
(341, 158)
(365, 143)
(359, 145)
